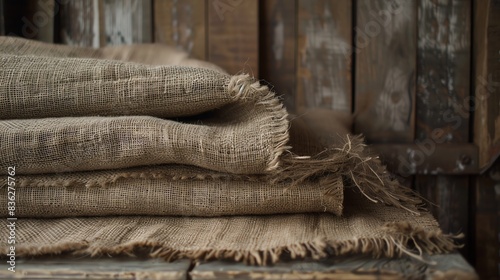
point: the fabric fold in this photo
(185, 161)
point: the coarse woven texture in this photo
(168, 190)
(65, 111)
(233, 123)
(151, 54)
(368, 228)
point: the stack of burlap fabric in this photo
(115, 156)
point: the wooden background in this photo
(422, 78)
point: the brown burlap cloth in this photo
(185, 160)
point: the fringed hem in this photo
(360, 170)
(401, 240)
(244, 87)
(107, 178)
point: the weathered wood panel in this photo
(444, 31)
(181, 23)
(233, 35)
(30, 19)
(487, 223)
(324, 54)
(487, 80)
(80, 24)
(435, 159)
(2, 26)
(385, 50)
(102, 268)
(486, 67)
(449, 203)
(278, 46)
(451, 266)
(127, 22)
(443, 88)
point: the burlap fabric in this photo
(81, 129)
(368, 228)
(167, 190)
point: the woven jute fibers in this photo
(369, 228)
(244, 143)
(168, 190)
(151, 54)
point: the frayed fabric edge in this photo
(359, 169)
(401, 240)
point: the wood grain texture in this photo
(30, 19)
(324, 54)
(80, 24)
(486, 81)
(277, 47)
(385, 50)
(487, 223)
(2, 23)
(443, 89)
(233, 35)
(451, 266)
(181, 23)
(127, 22)
(101, 268)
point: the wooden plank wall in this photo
(324, 55)
(443, 63)
(486, 85)
(405, 68)
(386, 51)
(182, 23)
(2, 22)
(81, 24)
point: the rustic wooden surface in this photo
(451, 266)
(277, 47)
(127, 21)
(486, 81)
(29, 19)
(486, 74)
(181, 23)
(410, 159)
(102, 268)
(447, 267)
(233, 35)
(385, 54)
(487, 223)
(2, 22)
(324, 54)
(80, 25)
(443, 87)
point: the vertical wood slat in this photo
(443, 87)
(487, 80)
(324, 54)
(181, 23)
(30, 19)
(2, 22)
(487, 223)
(277, 47)
(233, 37)
(127, 21)
(385, 50)
(80, 23)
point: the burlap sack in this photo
(368, 228)
(169, 191)
(245, 131)
(49, 99)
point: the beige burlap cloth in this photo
(112, 156)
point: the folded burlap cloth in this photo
(111, 156)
